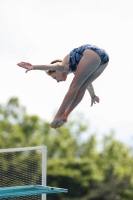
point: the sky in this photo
(39, 31)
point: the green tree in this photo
(18, 129)
(87, 172)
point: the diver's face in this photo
(59, 76)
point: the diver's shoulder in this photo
(65, 62)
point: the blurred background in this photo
(92, 153)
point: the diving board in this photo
(28, 190)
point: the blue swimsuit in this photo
(77, 53)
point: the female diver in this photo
(86, 62)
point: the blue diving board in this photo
(28, 190)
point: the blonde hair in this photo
(49, 72)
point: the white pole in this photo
(21, 149)
(44, 169)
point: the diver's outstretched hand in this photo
(26, 66)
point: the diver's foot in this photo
(58, 121)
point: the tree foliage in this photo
(88, 173)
